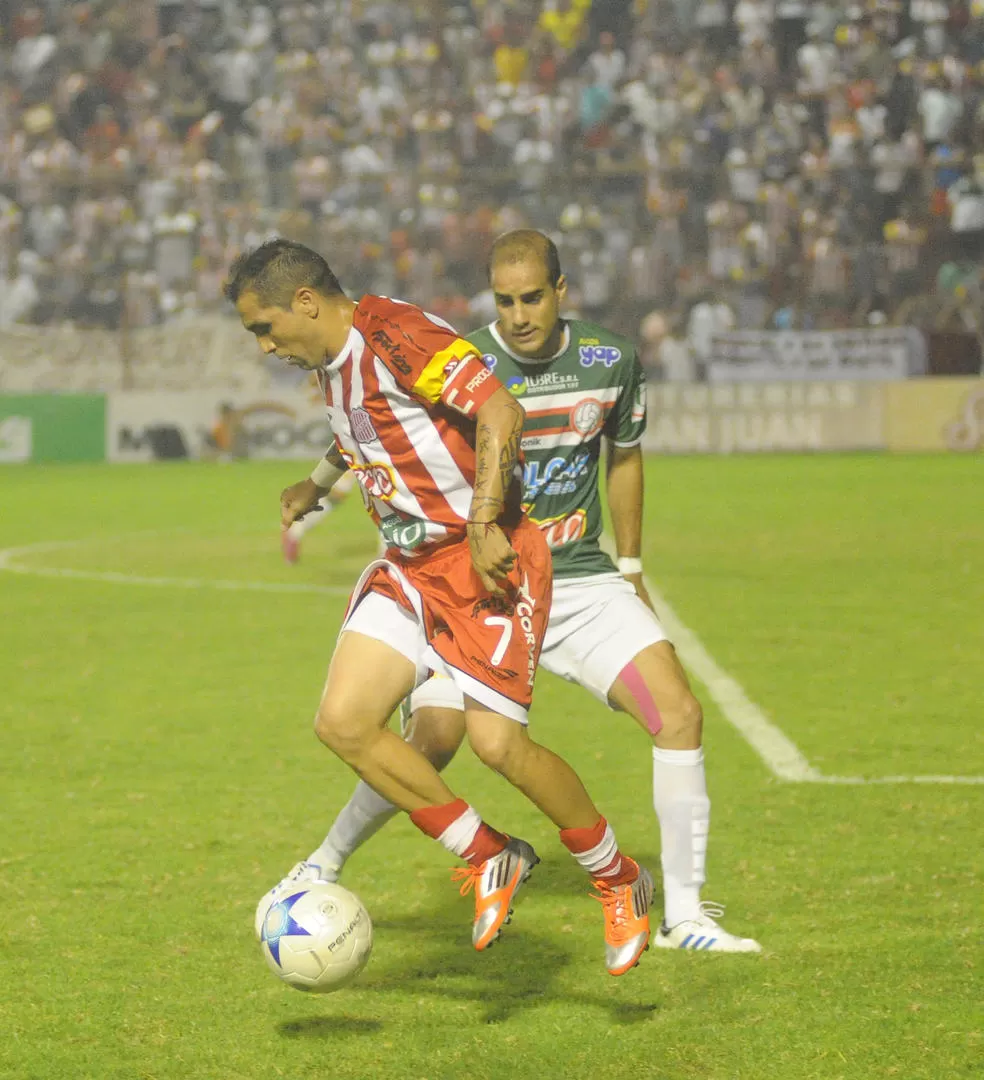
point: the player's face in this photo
(291, 332)
(528, 307)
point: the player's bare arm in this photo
(625, 499)
(499, 427)
(303, 497)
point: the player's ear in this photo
(305, 302)
(561, 287)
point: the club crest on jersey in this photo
(362, 426)
(587, 417)
(599, 354)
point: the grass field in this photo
(158, 772)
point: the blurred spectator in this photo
(750, 163)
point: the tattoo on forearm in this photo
(496, 453)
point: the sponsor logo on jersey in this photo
(558, 476)
(563, 529)
(551, 381)
(406, 533)
(477, 379)
(500, 673)
(516, 384)
(587, 417)
(490, 360)
(524, 613)
(599, 354)
(382, 341)
(375, 477)
(362, 426)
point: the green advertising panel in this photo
(52, 427)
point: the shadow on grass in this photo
(429, 955)
(329, 1027)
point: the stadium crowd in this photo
(701, 163)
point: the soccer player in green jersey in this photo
(581, 386)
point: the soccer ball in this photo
(316, 937)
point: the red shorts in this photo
(488, 645)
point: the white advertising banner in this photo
(764, 355)
(765, 417)
(144, 426)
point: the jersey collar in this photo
(565, 341)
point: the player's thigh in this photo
(596, 628)
(375, 665)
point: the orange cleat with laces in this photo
(496, 882)
(626, 919)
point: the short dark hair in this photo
(276, 270)
(521, 244)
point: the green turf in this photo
(158, 772)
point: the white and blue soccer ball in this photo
(316, 936)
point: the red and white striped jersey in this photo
(401, 398)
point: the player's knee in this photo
(437, 734)
(683, 722)
(338, 733)
(500, 747)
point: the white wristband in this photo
(629, 565)
(326, 475)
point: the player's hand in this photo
(491, 554)
(635, 580)
(297, 500)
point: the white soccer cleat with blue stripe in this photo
(303, 873)
(703, 934)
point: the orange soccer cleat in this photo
(626, 919)
(496, 881)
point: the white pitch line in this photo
(779, 753)
(113, 577)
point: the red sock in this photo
(597, 851)
(459, 828)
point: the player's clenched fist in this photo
(491, 554)
(297, 500)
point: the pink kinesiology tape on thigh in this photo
(636, 685)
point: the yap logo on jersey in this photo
(362, 426)
(599, 354)
(489, 359)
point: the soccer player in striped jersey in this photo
(581, 386)
(463, 589)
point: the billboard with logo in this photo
(764, 417)
(168, 426)
(52, 427)
(935, 414)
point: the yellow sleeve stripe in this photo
(431, 381)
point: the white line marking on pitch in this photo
(780, 754)
(9, 555)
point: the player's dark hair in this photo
(522, 244)
(276, 270)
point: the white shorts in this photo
(382, 618)
(597, 625)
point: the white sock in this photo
(308, 522)
(684, 813)
(362, 816)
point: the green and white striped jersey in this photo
(593, 386)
